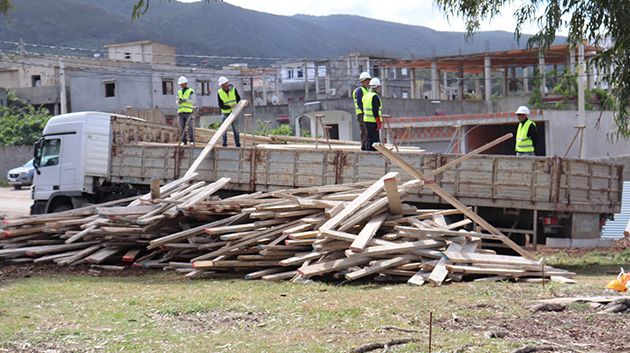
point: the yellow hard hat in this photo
(616, 284)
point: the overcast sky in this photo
(412, 12)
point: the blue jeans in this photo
(237, 139)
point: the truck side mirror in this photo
(37, 154)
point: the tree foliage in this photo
(20, 122)
(600, 22)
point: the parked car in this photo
(21, 176)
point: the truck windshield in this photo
(50, 153)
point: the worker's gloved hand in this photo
(379, 123)
(181, 101)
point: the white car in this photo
(21, 176)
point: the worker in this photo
(185, 107)
(372, 108)
(525, 134)
(357, 96)
(228, 98)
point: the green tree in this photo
(20, 122)
(601, 22)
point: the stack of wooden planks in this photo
(346, 231)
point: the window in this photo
(127, 56)
(110, 89)
(205, 88)
(50, 153)
(289, 73)
(300, 73)
(405, 94)
(403, 71)
(167, 87)
(36, 81)
(377, 71)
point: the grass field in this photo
(162, 312)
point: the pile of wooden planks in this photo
(346, 231)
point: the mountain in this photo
(221, 29)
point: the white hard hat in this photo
(223, 80)
(522, 110)
(375, 82)
(364, 76)
(182, 80)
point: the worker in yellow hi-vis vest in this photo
(357, 97)
(228, 98)
(525, 134)
(372, 108)
(185, 108)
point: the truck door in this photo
(70, 155)
(47, 181)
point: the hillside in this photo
(221, 29)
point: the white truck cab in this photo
(72, 161)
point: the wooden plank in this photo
(458, 257)
(368, 232)
(393, 196)
(450, 199)
(358, 202)
(331, 266)
(440, 272)
(397, 248)
(377, 267)
(187, 233)
(419, 278)
(217, 135)
(265, 272)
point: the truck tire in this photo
(61, 207)
(17, 187)
(60, 204)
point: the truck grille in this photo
(14, 175)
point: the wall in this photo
(396, 107)
(599, 142)
(12, 157)
(509, 104)
(87, 92)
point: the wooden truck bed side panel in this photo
(552, 184)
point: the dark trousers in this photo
(363, 131)
(237, 138)
(183, 119)
(372, 136)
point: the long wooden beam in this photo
(396, 159)
(217, 135)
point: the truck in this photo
(93, 157)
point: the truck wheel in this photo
(17, 187)
(61, 207)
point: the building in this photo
(138, 75)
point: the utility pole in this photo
(305, 80)
(581, 72)
(62, 88)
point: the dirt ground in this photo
(15, 203)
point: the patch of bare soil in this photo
(11, 272)
(209, 321)
(572, 330)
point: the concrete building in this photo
(142, 52)
(499, 74)
(145, 79)
(557, 134)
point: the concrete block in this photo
(585, 226)
(565, 243)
